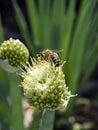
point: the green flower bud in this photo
(13, 54)
(44, 85)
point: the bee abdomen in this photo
(56, 61)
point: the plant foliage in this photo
(59, 24)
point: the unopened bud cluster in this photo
(13, 54)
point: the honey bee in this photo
(51, 55)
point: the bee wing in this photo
(57, 50)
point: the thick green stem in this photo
(47, 120)
(16, 106)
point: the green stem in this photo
(47, 120)
(16, 106)
(1, 31)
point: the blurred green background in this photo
(68, 25)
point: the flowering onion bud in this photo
(13, 54)
(44, 85)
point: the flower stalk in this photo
(16, 103)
